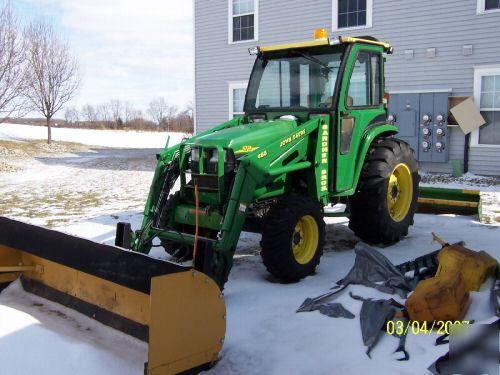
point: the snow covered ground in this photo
(105, 138)
(87, 193)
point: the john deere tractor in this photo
(314, 133)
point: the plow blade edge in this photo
(178, 311)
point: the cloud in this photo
(128, 49)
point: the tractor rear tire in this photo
(293, 238)
(385, 202)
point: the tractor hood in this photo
(249, 137)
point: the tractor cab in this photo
(294, 82)
(303, 78)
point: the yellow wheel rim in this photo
(305, 239)
(400, 192)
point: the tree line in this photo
(117, 114)
(39, 73)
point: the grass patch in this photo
(38, 148)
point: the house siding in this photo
(405, 24)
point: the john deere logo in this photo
(246, 149)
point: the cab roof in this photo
(327, 42)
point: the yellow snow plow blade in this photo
(178, 311)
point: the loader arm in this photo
(165, 160)
(141, 240)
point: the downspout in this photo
(466, 152)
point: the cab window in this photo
(365, 84)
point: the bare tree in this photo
(54, 77)
(116, 108)
(89, 113)
(104, 113)
(183, 121)
(130, 112)
(190, 108)
(171, 115)
(71, 115)
(158, 110)
(13, 72)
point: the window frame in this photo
(481, 8)
(381, 94)
(479, 73)
(335, 17)
(231, 87)
(230, 18)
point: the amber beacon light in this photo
(320, 34)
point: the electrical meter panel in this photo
(422, 119)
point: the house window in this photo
(488, 6)
(492, 4)
(352, 14)
(243, 20)
(490, 109)
(237, 91)
(487, 95)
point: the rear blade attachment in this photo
(178, 311)
(449, 201)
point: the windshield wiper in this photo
(314, 60)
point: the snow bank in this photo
(105, 138)
(41, 337)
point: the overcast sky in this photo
(131, 50)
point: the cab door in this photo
(360, 105)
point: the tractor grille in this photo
(203, 164)
(208, 182)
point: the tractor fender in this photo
(367, 138)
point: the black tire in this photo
(280, 230)
(372, 219)
(166, 212)
(171, 247)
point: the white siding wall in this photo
(446, 25)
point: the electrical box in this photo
(422, 119)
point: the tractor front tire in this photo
(172, 248)
(384, 204)
(293, 238)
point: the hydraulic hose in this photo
(197, 203)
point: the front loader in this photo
(314, 133)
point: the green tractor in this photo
(315, 132)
